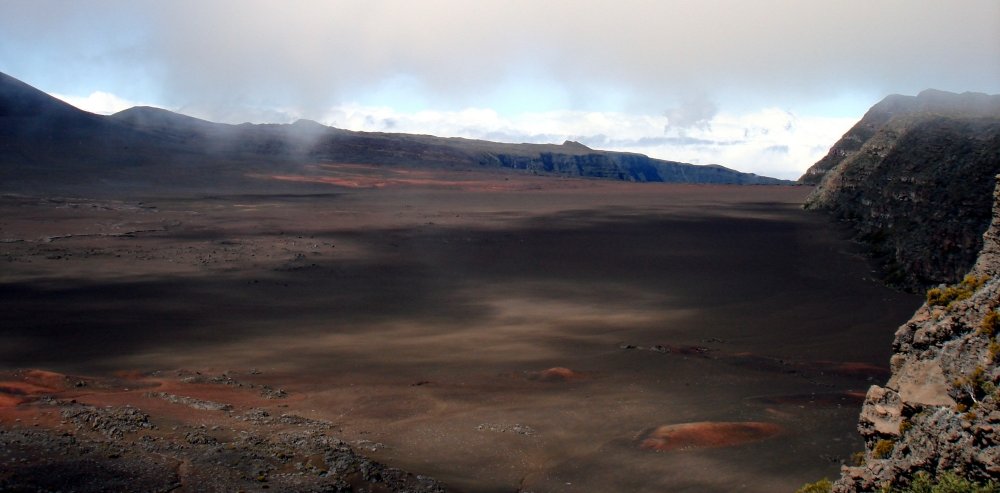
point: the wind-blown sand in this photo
(531, 334)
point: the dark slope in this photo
(928, 102)
(938, 411)
(918, 189)
(48, 145)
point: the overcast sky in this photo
(764, 86)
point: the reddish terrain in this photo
(496, 332)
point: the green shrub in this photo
(974, 386)
(950, 294)
(946, 482)
(994, 350)
(991, 322)
(882, 449)
(858, 458)
(822, 486)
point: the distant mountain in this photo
(928, 102)
(48, 144)
(915, 178)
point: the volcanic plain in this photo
(495, 331)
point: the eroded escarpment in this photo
(914, 179)
(940, 411)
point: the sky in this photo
(761, 86)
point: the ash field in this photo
(490, 330)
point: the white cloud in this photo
(509, 55)
(100, 102)
(769, 141)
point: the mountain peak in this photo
(150, 116)
(575, 144)
(927, 102)
(18, 99)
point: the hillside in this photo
(940, 411)
(931, 101)
(914, 179)
(49, 145)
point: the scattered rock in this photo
(191, 402)
(515, 428)
(113, 422)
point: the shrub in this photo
(822, 486)
(994, 350)
(974, 386)
(990, 323)
(882, 449)
(858, 458)
(905, 426)
(950, 294)
(945, 482)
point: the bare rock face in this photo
(914, 178)
(940, 410)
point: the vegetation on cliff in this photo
(935, 425)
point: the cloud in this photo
(100, 102)
(771, 141)
(692, 113)
(635, 73)
(631, 55)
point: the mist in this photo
(682, 64)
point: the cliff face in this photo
(940, 410)
(914, 178)
(623, 166)
(928, 102)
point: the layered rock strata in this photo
(940, 410)
(914, 179)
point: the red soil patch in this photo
(556, 374)
(706, 434)
(30, 383)
(9, 401)
(44, 378)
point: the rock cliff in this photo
(940, 410)
(928, 102)
(622, 166)
(914, 178)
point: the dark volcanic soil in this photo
(509, 335)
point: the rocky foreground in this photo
(64, 433)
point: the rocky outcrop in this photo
(940, 410)
(914, 178)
